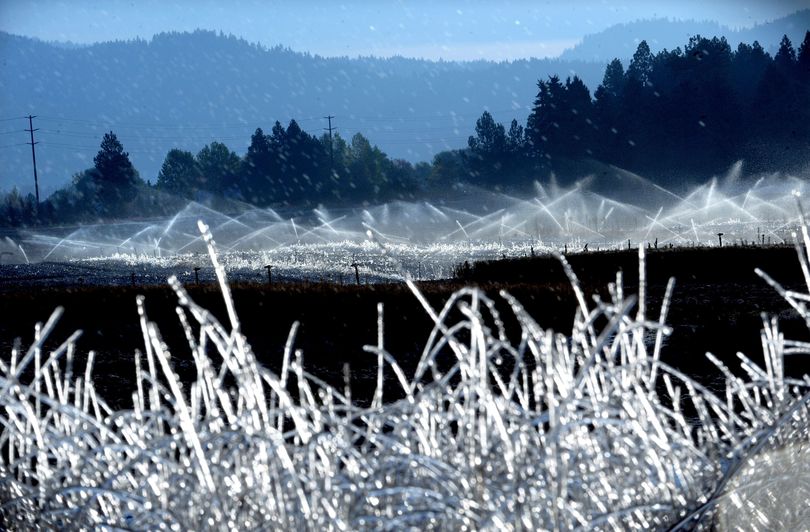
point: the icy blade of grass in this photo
(378, 391)
(659, 334)
(17, 368)
(186, 423)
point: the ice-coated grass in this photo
(583, 430)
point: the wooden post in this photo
(356, 272)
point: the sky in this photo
(430, 29)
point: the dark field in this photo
(716, 307)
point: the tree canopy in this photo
(114, 176)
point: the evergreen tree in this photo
(561, 122)
(487, 151)
(220, 168)
(515, 139)
(641, 65)
(543, 123)
(179, 174)
(447, 167)
(613, 80)
(802, 115)
(399, 178)
(777, 108)
(303, 164)
(709, 108)
(364, 169)
(577, 129)
(607, 110)
(803, 59)
(17, 210)
(636, 106)
(490, 137)
(257, 183)
(748, 66)
(785, 58)
(114, 176)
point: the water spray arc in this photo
(432, 237)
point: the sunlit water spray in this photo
(434, 237)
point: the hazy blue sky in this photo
(432, 29)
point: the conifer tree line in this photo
(686, 112)
(289, 166)
(691, 111)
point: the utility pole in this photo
(331, 152)
(33, 153)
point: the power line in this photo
(137, 137)
(449, 129)
(103, 124)
(433, 117)
(389, 134)
(447, 141)
(62, 146)
(448, 136)
(384, 136)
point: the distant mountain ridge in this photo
(621, 40)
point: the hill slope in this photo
(621, 40)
